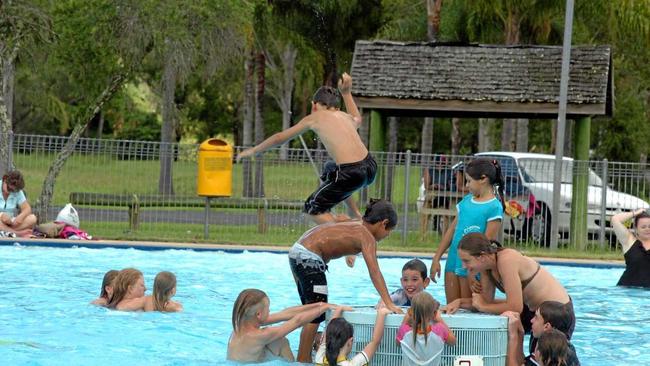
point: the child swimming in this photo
(423, 333)
(107, 289)
(414, 280)
(164, 288)
(250, 342)
(128, 291)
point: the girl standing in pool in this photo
(250, 342)
(164, 288)
(107, 289)
(480, 211)
(128, 291)
(636, 247)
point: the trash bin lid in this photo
(215, 145)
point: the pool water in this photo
(45, 318)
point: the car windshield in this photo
(541, 171)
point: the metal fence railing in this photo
(115, 184)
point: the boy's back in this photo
(335, 240)
(338, 132)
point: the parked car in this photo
(529, 187)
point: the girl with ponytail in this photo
(338, 340)
(480, 211)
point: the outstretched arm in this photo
(290, 312)
(624, 235)
(271, 334)
(377, 333)
(369, 251)
(279, 138)
(345, 86)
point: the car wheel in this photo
(538, 227)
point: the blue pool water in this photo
(45, 318)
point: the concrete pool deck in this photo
(236, 248)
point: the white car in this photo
(529, 173)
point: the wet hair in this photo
(643, 215)
(477, 243)
(553, 348)
(327, 96)
(557, 315)
(490, 169)
(124, 279)
(416, 265)
(108, 281)
(337, 333)
(14, 179)
(246, 305)
(423, 310)
(379, 210)
(163, 286)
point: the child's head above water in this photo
(128, 282)
(250, 303)
(164, 288)
(423, 310)
(414, 277)
(381, 213)
(107, 284)
(337, 335)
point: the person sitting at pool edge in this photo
(549, 315)
(414, 280)
(310, 254)
(636, 247)
(15, 212)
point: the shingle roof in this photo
(479, 73)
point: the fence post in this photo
(206, 219)
(603, 205)
(407, 179)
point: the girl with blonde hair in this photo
(128, 291)
(251, 342)
(164, 288)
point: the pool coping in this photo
(235, 248)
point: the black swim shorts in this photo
(311, 282)
(339, 182)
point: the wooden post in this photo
(579, 207)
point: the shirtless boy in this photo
(309, 256)
(355, 167)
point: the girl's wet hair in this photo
(163, 286)
(108, 281)
(477, 243)
(327, 96)
(423, 310)
(246, 305)
(125, 278)
(337, 333)
(553, 348)
(490, 169)
(643, 215)
(379, 210)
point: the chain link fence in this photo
(115, 185)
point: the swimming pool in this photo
(45, 318)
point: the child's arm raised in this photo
(271, 334)
(290, 312)
(377, 333)
(279, 138)
(345, 86)
(442, 248)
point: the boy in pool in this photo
(309, 256)
(355, 168)
(414, 280)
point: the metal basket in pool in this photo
(477, 335)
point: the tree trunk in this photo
(392, 151)
(522, 135)
(43, 203)
(7, 70)
(484, 136)
(281, 86)
(426, 143)
(364, 129)
(165, 182)
(259, 123)
(433, 19)
(507, 134)
(100, 125)
(455, 136)
(249, 105)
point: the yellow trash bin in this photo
(214, 177)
